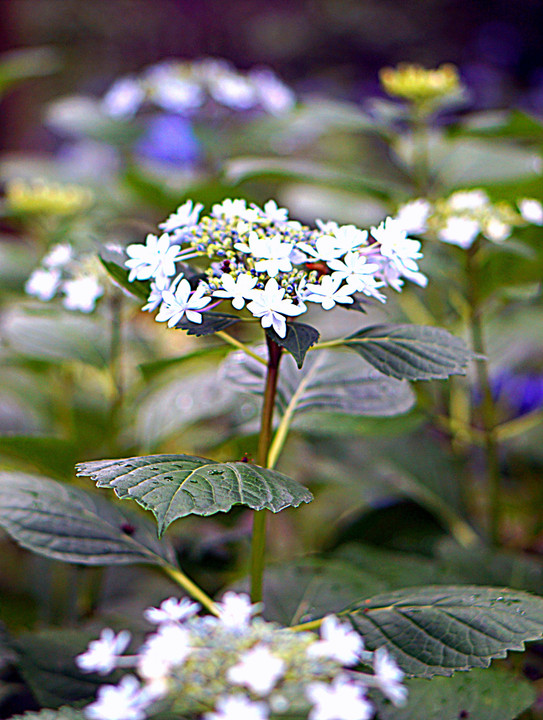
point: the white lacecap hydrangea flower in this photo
(224, 663)
(81, 293)
(531, 210)
(43, 283)
(266, 263)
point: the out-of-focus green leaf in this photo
(437, 630)
(78, 116)
(66, 523)
(173, 486)
(56, 337)
(411, 352)
(48, 454)
(480, 694)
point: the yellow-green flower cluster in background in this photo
(40, 197)
(422, 87)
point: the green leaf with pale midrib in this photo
(173, 486)
(437, 630)
(69, 524)
(411, 352)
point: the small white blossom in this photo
(341, 700)
(496, 230)
(43, 284)
(270, 306)
(172, 92)
(58, 256)
(275, 97)
(354, 268)
(186, 215)
(460, 231)
(274, 255)
(328, 292)
(230, 209)
(81, 293)
(234, 91)
(531, 210)
(388, 677)
(258, 669)
(396, 246)
(413, 216)
(338, 641)
(158, 286)
(171, 610)
(236, 610)
(101, 655)
(238, 707)
(156, 257)
(167, 648)
(468, 200)
(182, 302)
(123, 98)
(239, 289)
(274, 214)
(349, 237)
(125, 701)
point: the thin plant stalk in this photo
(258, 545)
(487, 407)
(115, 363)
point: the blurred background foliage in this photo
(399, 500)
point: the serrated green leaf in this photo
(297, 341)
(329, 381)
(437, 630)
(411, 352)
(173, 486)
(480, 695)
(211, 323)
(69, 524)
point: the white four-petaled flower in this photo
(340, 700)
(156, 257)
(101, 655)
(459, 230)
(43, 284)
(271, 306)
(258, 669)
(329, 292)
(238, 289)
(338, 641)
(388, 677)
(236, 610)
(171, 610)
(81, 293)
(394, 245)
(125, 701)
(238, 707)
(167, 648)
(186, 215)
(182, 302)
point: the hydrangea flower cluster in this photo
(238, 667)
(60, 272)
(464, 215)
(188, 87)
(259, 259)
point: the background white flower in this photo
(238, 707)
(101, 655)
(81, 293)
(43, 284)
(531, 210)
(460, 231)
(258, 669)
(125, 701)
(338, 641)
(182, 302)
(341, 700)
(388, 677)
(236, 610)
(171, 610)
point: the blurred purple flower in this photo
(169, 139)
(518, 392)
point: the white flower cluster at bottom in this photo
(238, 667)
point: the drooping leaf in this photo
(66, 523)
(173, 486)
(46, 660)
(437, 630)
(411, 352)
(138, 288)
(211, 323)
(56, 338)
(480, 694)
(329, 381)
(298, 339)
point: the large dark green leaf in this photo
(437, 630)
(173, 486)
(211, 323)
(47, 662)
(66, 523)
(330, 381)
(411, 352)
(479, 695)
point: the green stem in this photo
(241, 346)
(264, 441)
(421, 155)
(488, 409)
(191, 588)
(115, 364)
